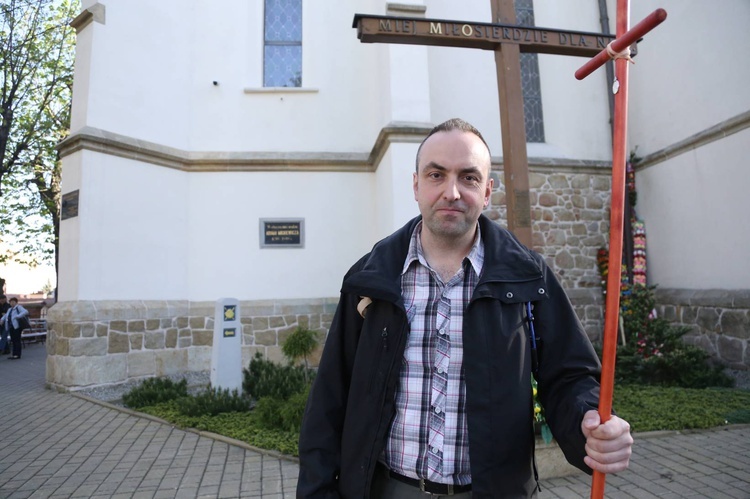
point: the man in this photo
(13, 324)
(425, 380)
(4, 343)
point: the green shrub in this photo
(264, 378)
(213, 401)
(299, 345)
(153, 391)
(661, 357)
(655, 353)
(283, 415)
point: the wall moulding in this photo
(717, 132)
(114, 144)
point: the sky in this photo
(22, 280)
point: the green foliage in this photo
(37, 51)
(655, 353)
(283, 415)
(300, 344)
(242, 426)
(154, 391)
(263, 378)
(646, 408)
(650, 408)
(213, 401)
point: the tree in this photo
(36, 80)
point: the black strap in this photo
(534, 370)
(534, 340)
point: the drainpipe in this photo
(609, 66)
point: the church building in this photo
(257, 149)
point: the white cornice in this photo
(104, 142)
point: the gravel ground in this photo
(199, 380)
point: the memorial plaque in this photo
(282, 233)
(69, 205)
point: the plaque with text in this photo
(282, 233)
(69, 208)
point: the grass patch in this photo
(646, 408)
(243, 426)
(650, 408)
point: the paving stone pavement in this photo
(60, 446)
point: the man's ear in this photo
(415, 184)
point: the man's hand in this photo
(608, 445)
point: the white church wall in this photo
(690, 70)
(140, 86)
(394, 203)
(697, 227)
(82, 77)
(245, 116)
(687, 79)
(133, 226)
(225, 258)
(69, 250)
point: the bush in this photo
(154, 391)
(655, 353)
(283, 415)
(213, 401)
(299, 345)
(263, 378)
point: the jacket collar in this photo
(378, 274)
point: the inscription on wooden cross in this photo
(507, 40)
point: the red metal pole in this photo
(616, 221)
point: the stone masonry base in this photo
(92, 343)
(719, 321)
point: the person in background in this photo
(4, 341)
(424, 386)
(12, 322)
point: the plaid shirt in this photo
(429, 436)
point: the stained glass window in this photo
(532, 94)
(282, 56)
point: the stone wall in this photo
(569, 213)
(719, 321)
(95, 343)
(108, 342)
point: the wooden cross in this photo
(507, 40)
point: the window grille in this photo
(532, 94)
(282, 55)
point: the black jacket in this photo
(351, 405)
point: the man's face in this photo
(452, 184)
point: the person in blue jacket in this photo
(13, 324)
(424, 385)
